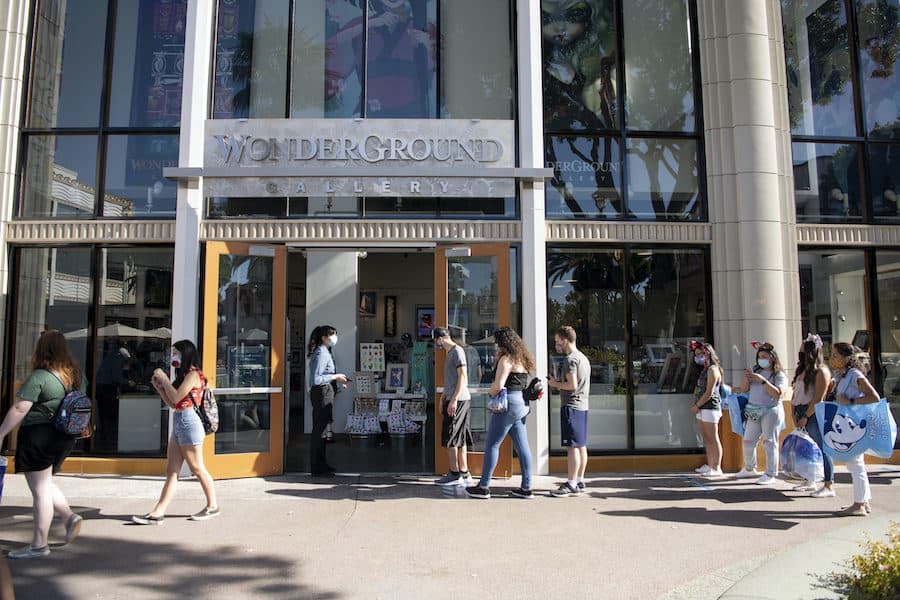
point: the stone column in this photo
(750, 184)
(534, 251)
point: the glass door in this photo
(472, 297)
(243, 356)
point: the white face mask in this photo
(176, 360)
(700, 360)
(332, 340)
(764, 363)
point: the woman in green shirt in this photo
(41, 448)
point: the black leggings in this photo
(322, 397)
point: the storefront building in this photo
(237, 172)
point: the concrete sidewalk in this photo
(667, 535)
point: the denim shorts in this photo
(187, 429)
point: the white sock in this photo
(581, 480)
(571, 483)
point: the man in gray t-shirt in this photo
(574, 385)
(456, 432)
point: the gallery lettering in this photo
(233, 149)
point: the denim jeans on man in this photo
(767, 428)
(513, 423)
(812, 428)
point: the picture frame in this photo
(368, 306)
(371, 356)
(396, 377)
(424, 322)
(668, 376)
(861, 339)
(157, 288)
(390, 316)
(823, 324)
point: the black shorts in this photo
(42, 446)
(573, 426)
(456, 431)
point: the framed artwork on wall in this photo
(823, 325)
(390, 316)
(397, 377)
(424, 322)
(367, 304)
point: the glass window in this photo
(401, 207)
(67, 67)
(586, 292)
(133, 337)
(668, 310)
(322, 206)
(453, 208)
(884, 180)
(476, 60)
(586, 177)
(833, 294)
(819, 68)
(827, 182)
(662, 180)
(879, 49)
(148, 65)
(60, 176)
(401, 46)
(135, 185)
(251, 59)
(219, 208)
(580, 63)
(326, 68)
(659, 77)
(889, 312)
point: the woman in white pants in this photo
(766, 383)
(850, 386)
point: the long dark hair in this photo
(808, 363)
(52, 354)
(190, 359)
(770, 350)
(510, 344)
(315, 338)
(848, 351)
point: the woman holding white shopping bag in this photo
(850, 386)
(811, 381)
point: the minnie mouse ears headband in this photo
(815, 339)
(762, 346)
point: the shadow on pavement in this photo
(754, 519)
(162, 570)
(360, 488)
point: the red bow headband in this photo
(762, 346)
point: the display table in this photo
(383, 405)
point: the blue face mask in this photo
(764, 363)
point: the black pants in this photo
(322, 403)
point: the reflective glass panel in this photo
(148, 65)
(244, 351)
(327, 69)
(668, 308)
(133, 338)
(879, 51)
(223, 208)
(827, 182)
(819, 67)
(251, 59)
(401, 207)
(889, 310)
(662, 180)
(833, 295)
(67, 72)
(60, 176)
(586, 292)
(659, 77)
(586, 177)
(579, 69)
(884, 180)
(401, 46)
(135, 185)
(319, 206)
(476, 60)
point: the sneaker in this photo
(580, 485)
(713, 473)
(448, 478)
(206, 513)
(806, 486)
(825, 492)
(565, 490)
(478, 492)
(73, 527)
(30, 551)
(765, 480)
(466, 480)
(702, 470)
(147, 519)
(746, 474)
(520, 493)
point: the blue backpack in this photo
(73, 417)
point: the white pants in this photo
(767, 429)
(861, 490)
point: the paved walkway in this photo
(666, 535)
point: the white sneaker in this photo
(713, 473)
(703, 470)
(806, 486)
(746, 474)
(825, 492)
(466, 480)
(765, 480)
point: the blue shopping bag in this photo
(735, 404)
(853, 429)
(801, 458)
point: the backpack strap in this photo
(66, 390)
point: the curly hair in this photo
(510, 344)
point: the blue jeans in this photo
(513, 423)
(812, 428)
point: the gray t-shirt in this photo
(580, 364)
(456, 357)
(758, 396)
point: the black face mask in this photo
(801, 356)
